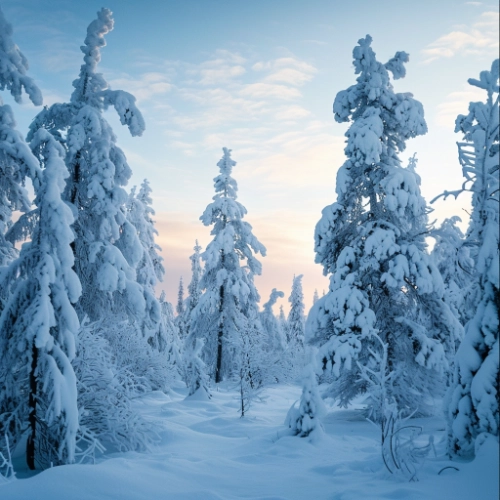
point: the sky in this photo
(259, 78)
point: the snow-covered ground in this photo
(207, 452)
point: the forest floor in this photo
(207, 452)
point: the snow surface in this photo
(207, 452)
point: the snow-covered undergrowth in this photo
(207, 452)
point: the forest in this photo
(405, 337)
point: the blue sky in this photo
(260, 78)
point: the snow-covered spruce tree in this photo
(180, 309)
(451, 255)
(16, 160)
(194, 290)
(196, 375)
(372, 242)
(149, 270)
(296, 317)
(169, 339)
(295, 330)
(270, 324)
(283, 323)
(224, 309)
(253, 365)
(474, 405)
(39, 325)
(98, 171)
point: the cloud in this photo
(144, 87)
(266, 90)
(481, 37)
(457, 103)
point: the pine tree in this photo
(451, 255)
(230, 298)
(372, 242)
(194, 289)
(39, 325)
(149, 270)
(474, 405)
(296, 315)
(296, 324)
(180, 310)
(194, 292)
(275, 342)
(16, 159)
(98, 171)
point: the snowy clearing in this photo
(207, 452)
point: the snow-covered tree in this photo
(474, 405)
(283, 323)
(180, 320)
(39, 324)
(372, 243)
(230, 298)
(275, 342)
(16, 160)
(196, 375)
(106, 388)
(149, 270)
(296, 319)
(194, 291)
(315, 296)
(451, 255)
(98, 171)
(295, 328)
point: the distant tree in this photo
(180, 320)
(474, 405)
(295, 328)
(16, 159)
(451, 255)
(315, 296)
(194, 291)
(270, 324)
(372, 242)
(296, 317)
(230, 297)
(38, 325)
(149, 269)
(283, 323)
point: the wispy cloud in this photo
(480, 38)
(457, 103)
(143, 87)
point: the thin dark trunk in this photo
(220, 333)
(74, 192)
(30, 445)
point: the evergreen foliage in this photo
(230, 297)
(474, 405)
(372, 242)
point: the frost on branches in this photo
(39, 325)
(230, 297)
(372, 243)
(16, 160)
(98, 171)
(474, 405)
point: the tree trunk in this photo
(220, 333)
(30, 445)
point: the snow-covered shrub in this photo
(105, 393)
(306, 419)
